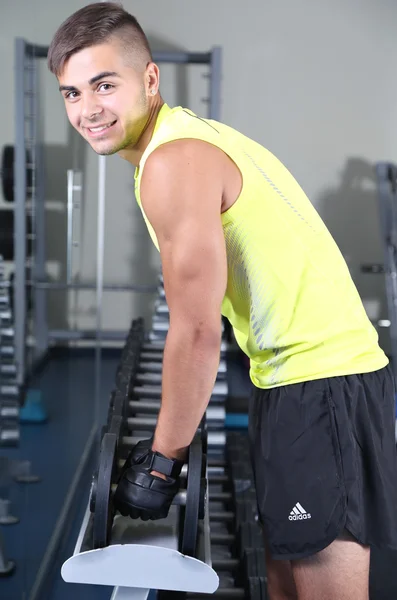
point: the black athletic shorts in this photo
(324, 458)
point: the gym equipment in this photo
(9, 409)
(9, 434)
(33, 409)
(7, 173)
(9, 391)
(6, 351)
(154, 391)
(7, 234)
(25, 184)
(387, 196)
(7, 566)
(102, 529)
(8, 369)
(6, 518)
(218, 529)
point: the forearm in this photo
(190, 365)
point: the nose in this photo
(89, 107)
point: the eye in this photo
(105, 86)
(69, 95)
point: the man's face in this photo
(106, 100)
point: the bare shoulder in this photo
(186, 156)
(181, 175)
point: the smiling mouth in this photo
(100, 128)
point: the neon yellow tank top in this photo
(290, 299)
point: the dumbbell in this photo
(255, 590)
(9, 434)
(8, 390)
(9, 409)
(155, 378)
(162, 314)
(157, 367)
(213, 413)
(5, 314)
(159, 330)
(219, 392)
(216, 439)
(147, 368)
(104, 482)
(161, 308)
(4, 301)
(8, 369)
(215, 420)
(7, 332)
(158, 346)
(6, 351)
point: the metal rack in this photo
(33, 288)
(387, 193)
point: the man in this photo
(238, 237)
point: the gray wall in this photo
(312, 81)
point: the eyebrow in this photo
(72, 88)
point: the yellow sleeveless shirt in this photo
(290, 299)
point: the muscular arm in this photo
(181, 194)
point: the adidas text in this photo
(298, 513)
(299, 517)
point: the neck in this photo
(134, 155)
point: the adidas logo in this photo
(298, 513)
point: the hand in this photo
(142, 494)
(138, 453)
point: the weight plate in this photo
(119, 406)
(7, 173)
(93, 492)
(257, 588)
(7, 234)
(104, 512)
(116, 427)
(254, 562)
(193, 496)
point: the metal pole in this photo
(80, 334)
(215, 84)
(20, 212)
(388, 215)
(170, 57)
(116, 287)
(99, 282)
(70, 184)
(198, 58)
(40, 295)
(38, 268)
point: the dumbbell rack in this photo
(9, 390)
(219, 548)
(387, 193)
(9, 401)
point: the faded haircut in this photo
(95, 24)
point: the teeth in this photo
(96, 129)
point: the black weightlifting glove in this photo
(140, 494)
(138, 453)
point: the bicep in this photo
(194, 270)
(182, 200)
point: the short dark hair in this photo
(96, 24)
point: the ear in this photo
(152, 79)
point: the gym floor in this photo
(55, 450)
